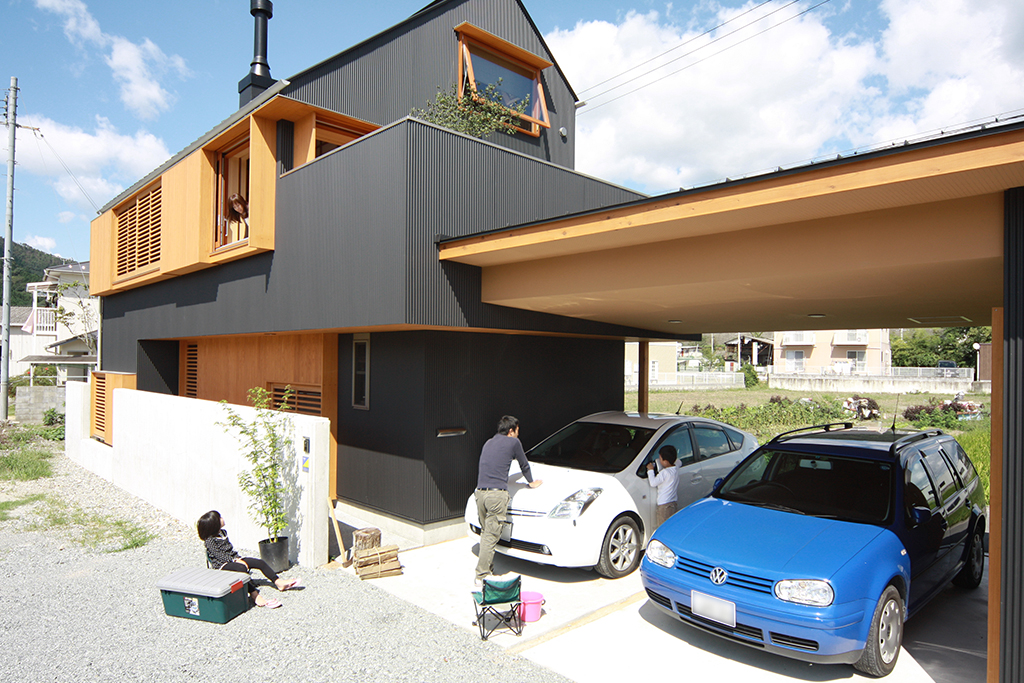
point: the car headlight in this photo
(575, 505)
(659, 554)
(805, 592)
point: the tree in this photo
(925, 348)
(477, 114)
(80, 314)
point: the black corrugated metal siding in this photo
(355, 246)
(457, 187)
(1011, 618)
(384, 78)
(390, 457)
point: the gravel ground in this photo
(73, 613)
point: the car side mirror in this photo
(919, 515)
(718, 482)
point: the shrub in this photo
(53, 417)
(750, 378)
(778, 415)
(934, 415)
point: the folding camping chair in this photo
(497, 606)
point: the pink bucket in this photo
(529, 605)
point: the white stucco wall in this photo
(171, 452)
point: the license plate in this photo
(722, 611)
(506, 531)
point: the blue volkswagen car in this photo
(823, 542)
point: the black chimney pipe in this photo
(258, 79)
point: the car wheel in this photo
(970, 574)
(620, 551)
(885, 636)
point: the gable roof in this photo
(434, 7)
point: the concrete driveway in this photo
(596, 629)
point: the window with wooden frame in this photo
(138, 234)
(361, 371)
(306, 399)
(330, 136)
(232, 217)
(487, 60)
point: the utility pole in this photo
(5, 338)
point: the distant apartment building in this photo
(833, 352)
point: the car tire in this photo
(885, 637)
(621, 549)
(971, 573)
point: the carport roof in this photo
(910, 236)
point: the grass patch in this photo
(8, 505)
(978, 444)
(25, 464)
(91, 529)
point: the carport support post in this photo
(643, 376)
(1011, 603)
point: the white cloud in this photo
(103, 160)
(67, 216)
(791, 94)
(137, 67)
(47, 244)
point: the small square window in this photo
(485, 60)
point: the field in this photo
(766, 412)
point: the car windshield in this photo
(834, 487)
(592, 446)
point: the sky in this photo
(679, 94)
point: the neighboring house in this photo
(61, 326)
(332, 284)
(746, 348)
(22, 342)
(834, 352)
(663, 358)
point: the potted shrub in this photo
(265, 439)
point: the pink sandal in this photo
(294, 583)
(273, 603)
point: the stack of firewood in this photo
(372, 560)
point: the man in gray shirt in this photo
(492, 488)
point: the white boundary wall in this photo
(170, 452)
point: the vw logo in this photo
(718, 576)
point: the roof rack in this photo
(905, 441)
(824, 427)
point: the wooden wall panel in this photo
(101, 253)
(263, 181)
(230, 366)
(305, 139)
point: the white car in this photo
(596, 507)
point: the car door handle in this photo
(696, 479)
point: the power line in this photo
(703, 59)
(673, 49)
(40, 136)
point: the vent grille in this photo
(794, 642)
(742, 632)
(306, 400)
(736, 579)
(138, 233)
(100, 407)
(192, 371)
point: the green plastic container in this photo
(205, 594)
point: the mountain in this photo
(27, 265)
